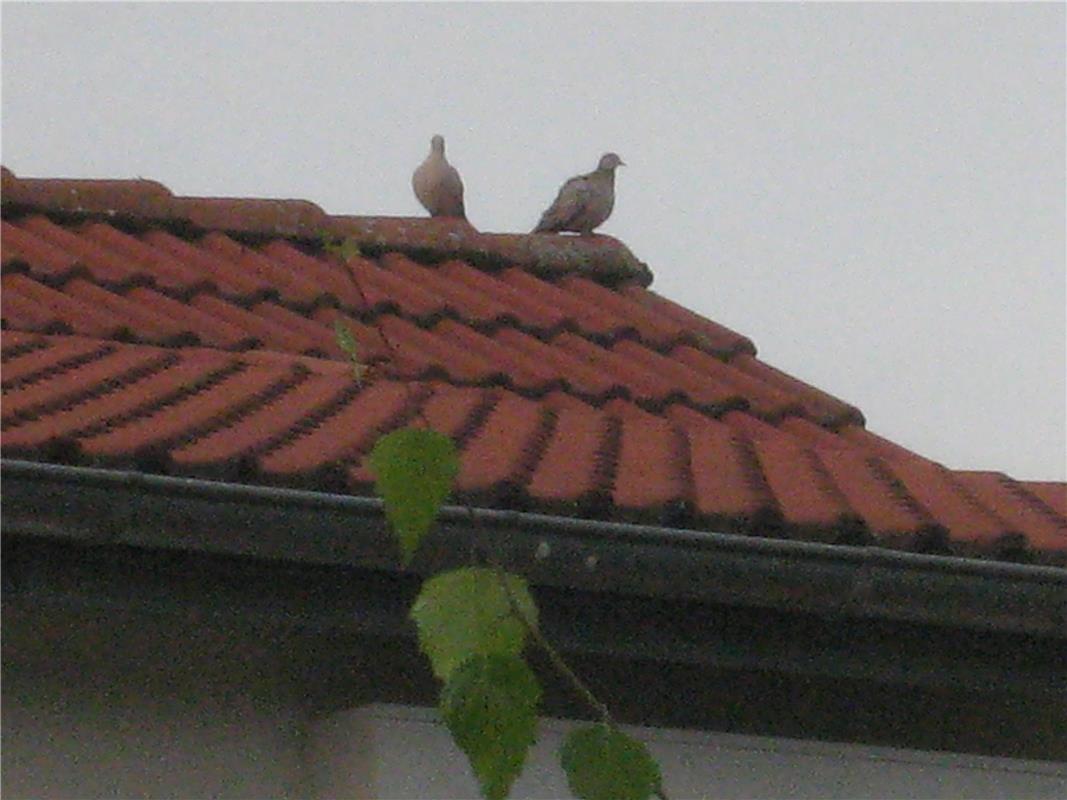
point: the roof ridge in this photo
(138, 201)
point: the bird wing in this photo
(568, 207)
(451, 194)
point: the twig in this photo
(558, 662)
(532, 630)
(553, 654)
(394, 351)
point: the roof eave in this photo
(116, 507)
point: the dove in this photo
(584, 201)
(437, 185)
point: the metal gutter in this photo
(119, 507)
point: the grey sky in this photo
(873, 193)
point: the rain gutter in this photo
(103, 506)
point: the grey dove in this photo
(584, 201)
(437, 184)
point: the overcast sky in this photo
(873, 193)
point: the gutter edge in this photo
(599, 556)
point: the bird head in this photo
(437, 143)
(610, 161)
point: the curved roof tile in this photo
(196, 335)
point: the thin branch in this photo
(394, 351)
(553, 654)
(532, 630)
(559, 663)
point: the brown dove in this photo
(584, 201)
(437, 184)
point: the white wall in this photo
(81, 741)
(412, 756)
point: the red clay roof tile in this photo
(105, 266)
(811, 434)
(139, 197)
(803, 491)
(1053, 495)
(41, 357)
(160, 267)
(22, 313)
(319, 332)
(569, 470)
(434, 353)
(650, 468)
(578, 375)
(873, 443)
(660, 331)
(702, 390)
(585, 318)
(726, 481)
(467, 304)
(763, 398)
(258, 327)
(225, 395)
(347, 432)
(821, 406)
(251, 216)
(44, 259)
(452, 409)
(566, 384)
(522, 370)
(331, 278)
(206, 328)
(866, 492)
(59, 309)
(66, 388)
(384, 290)
(1015, 505)
(141, 317)
(233, 284)
(269, 423)
(500, 453)
(290, 284)
(944, 499)
(529, 310)
(118, 402)
(372, 342)
(448, 409)
(707, 335)
(640, 383)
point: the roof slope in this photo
(194, 336)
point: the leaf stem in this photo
(393, 359)
(558, 662)
(553, 654)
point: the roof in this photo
(195, 337)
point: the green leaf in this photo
(346, 249)
(603, 763)
(414, 469)
(467, 612)
(490, 705)
(347, 342)
(349, 249)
